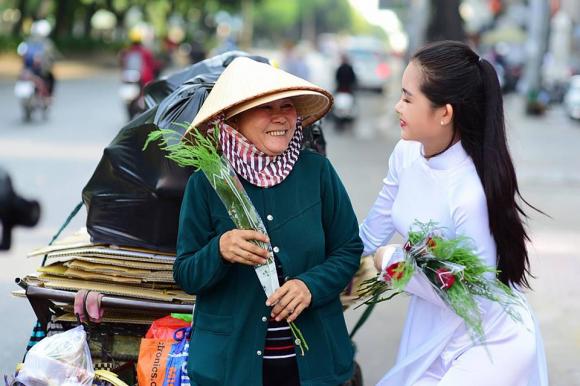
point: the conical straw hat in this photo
(245, 84)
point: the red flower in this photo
(392, 272)
(444, 278)
(431, 243)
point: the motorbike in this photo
(344, 111)
(32, 92)
(131, 93)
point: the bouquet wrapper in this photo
(244, 215)
(418, 285)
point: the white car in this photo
(371, 66)
(572, 98)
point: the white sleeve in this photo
(377, 228)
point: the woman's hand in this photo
(236, 247)
(378, 258)
(388, 254)
(289, 300)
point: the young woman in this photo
(453, 167)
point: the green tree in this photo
(276, 19)
(304, 19)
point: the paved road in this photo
(52, 161)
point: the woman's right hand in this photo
(236, 247)
(378, 258)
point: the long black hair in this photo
(454, 74)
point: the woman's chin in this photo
(276, 146)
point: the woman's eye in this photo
(288, 106)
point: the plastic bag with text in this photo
(164, 361)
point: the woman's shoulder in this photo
(407, 150)
(197, 181)
(196, 177)
(314, 165)
(312, 160)
(404, 154)
(311, 155)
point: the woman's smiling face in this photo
(419, 120)
(270, 126)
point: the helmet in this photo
(136, 35)
(40, 28)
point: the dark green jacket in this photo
(310, 220)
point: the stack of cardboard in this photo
(74, 263)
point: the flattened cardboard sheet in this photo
(116, 261)
(166, 295)
(100, 251)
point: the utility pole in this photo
(417, 19)
(536, 48)
(308, 22)
(248, 26)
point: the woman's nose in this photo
(397, 107)
(277, 112)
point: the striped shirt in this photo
(279, 339)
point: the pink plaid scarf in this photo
(254, 166)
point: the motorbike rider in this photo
(345, 109)
(39, 53)
(139, 58)
(345, 76)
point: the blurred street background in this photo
(51, 151)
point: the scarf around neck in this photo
(255, 166)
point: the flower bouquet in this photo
(201, 151)
(456, 274)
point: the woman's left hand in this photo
(289, 300)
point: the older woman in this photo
(239, 336)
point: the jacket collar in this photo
(449, 159)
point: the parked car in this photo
(371, 68)
(370, 62)
(572, 98)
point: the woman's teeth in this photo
(278, 133)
